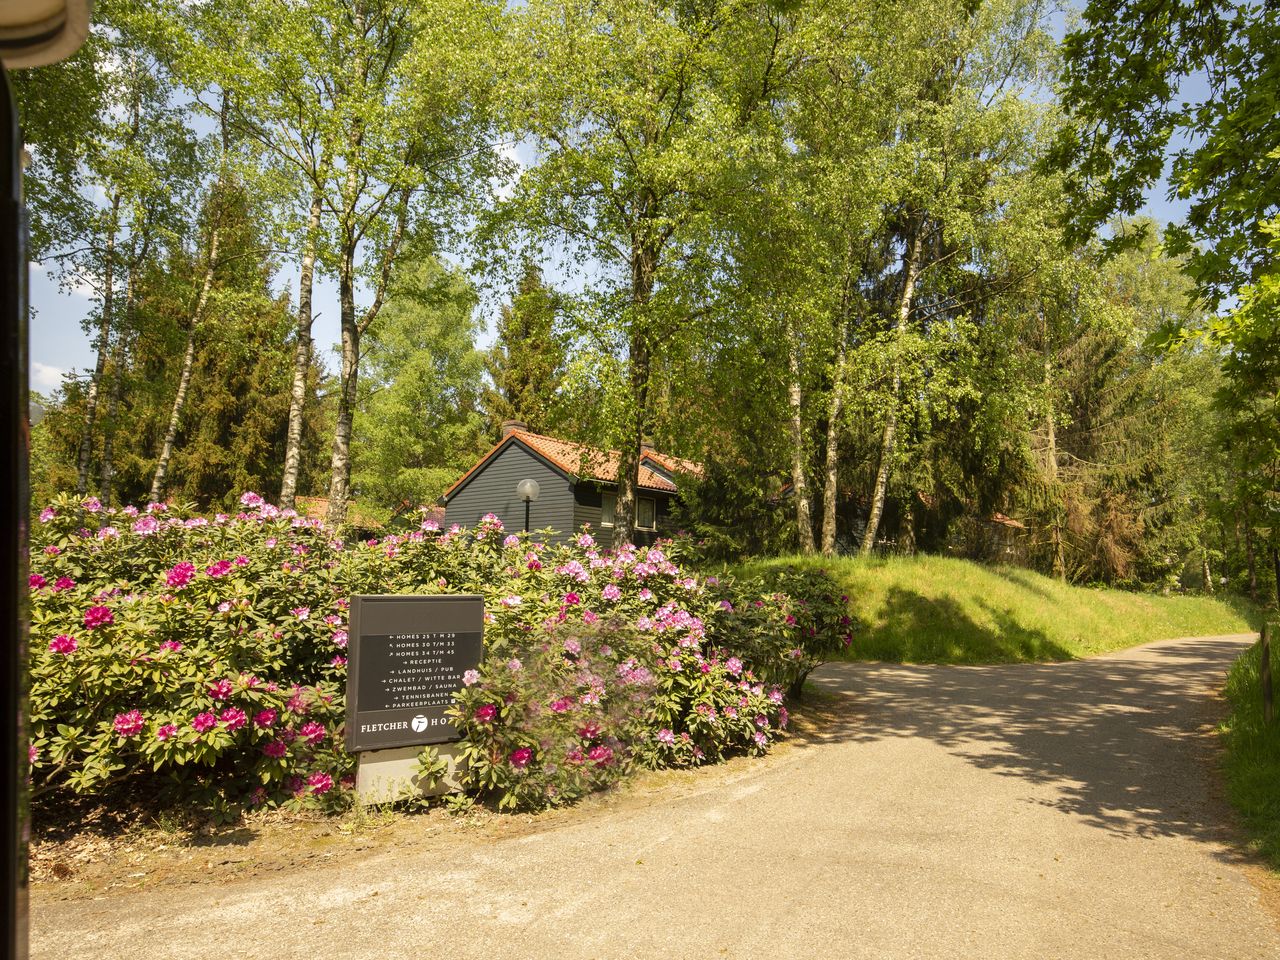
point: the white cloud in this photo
(504, 187)
(69, 284)
(45, 377)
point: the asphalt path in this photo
(1067, 810)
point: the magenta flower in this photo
(98, 617)
(145, 526)
(486, 713)
(520, 758)
(312, 732)
(571, 599)
(759, 738)
(514, 665)
(180, 574)
(733, 665)
(166, 731)
(36, 582)
(219, 569)
(33, 752)
(320, 783)
(338, 662)
(241, 561)
(233, 718)
(600, 755)
(572, 646)
(611, 592)
(174, 645)
(264, 718)
(470, 678)
(47, 514)
(251, 499)
(204, 722)
(92, 505)
(340, 638)
(562, 705)
(63, 583)
(301, 612)
(276, 749)
(590, 731)
(783, 717)
(511, 541)
(129, 724)
(221, 690)
(62, 644)
(666, 736)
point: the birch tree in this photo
(632, 108)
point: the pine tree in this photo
(526, 361)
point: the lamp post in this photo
(527, 490)
(32, 33)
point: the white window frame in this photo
(654, 506)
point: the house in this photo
(577, 486)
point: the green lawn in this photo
(1253, 752)
(943, 610)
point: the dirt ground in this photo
(1058, 810)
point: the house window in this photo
(645, 513)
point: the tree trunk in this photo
(1205, 572)
(624, 518)
(340, 463)
(644, 262)
(175, 418)
(888, 440)
(832, 466)
(799, 484)
(1051, 465)
(104, 347)
(107, 491)
(1250, 558)
(301, 361)
(184, 378)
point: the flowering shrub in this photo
(211, 651)
(203, 649)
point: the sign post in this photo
(407, 657)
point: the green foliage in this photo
(1253, 751)
(946, 610)
(527, 360)
(418, 426)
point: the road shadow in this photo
(1127, 741)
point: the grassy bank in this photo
(1252, 759)
(944, 610)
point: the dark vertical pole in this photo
(1268, 695)
(14, 446)
(526, 515)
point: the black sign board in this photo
(407, 658)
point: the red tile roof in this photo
(590, 463)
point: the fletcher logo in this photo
(419, 723)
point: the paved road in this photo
(1038, 811)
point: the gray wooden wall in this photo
(493, 490)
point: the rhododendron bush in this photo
(209, 652)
